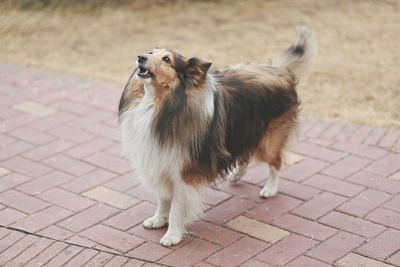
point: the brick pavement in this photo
(67, 198)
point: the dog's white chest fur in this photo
(151, 161)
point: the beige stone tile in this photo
(292, 158)
(111, 197)
(3, 171)
(352, 259)
(395, 176)
(35, 108)
(257, 229)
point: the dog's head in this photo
(166, 69)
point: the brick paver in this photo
(68, 198)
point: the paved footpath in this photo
(67, 198)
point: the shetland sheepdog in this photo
(184, 126)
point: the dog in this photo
(184, 126)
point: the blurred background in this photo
(356, 78)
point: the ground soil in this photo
(356, 78)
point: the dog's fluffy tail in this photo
(301, 55)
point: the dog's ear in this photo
(196, 69)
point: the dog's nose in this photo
(142, 58)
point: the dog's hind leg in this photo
(271, 148)
(238, 172)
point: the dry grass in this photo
(356, 79)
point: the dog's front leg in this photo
(160, 218)
(176, 221)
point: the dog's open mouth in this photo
(144, 72)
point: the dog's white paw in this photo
(170, 239)
(234, 177)
(154, 222)
(269, 191)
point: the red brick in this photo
(26, 167)
(332, 130)
(213, 197)
(346, 166)
(374, 136)
(22, 201)
(81, 241)
(319, 142)
(9, 216)
(393, 204)
(99, 260)
(83, 257)
(376, 182)
(304, 227)
(48, 149)
(17, 248)
(5, 140)
(44, 183)
(352, 224)
(214, 233)
(12, 180)
(47, 254)
(286, 250)
(333, 185)
(42, 219)
(149, 251)
(256, 173)
(386, 217)
(14, 122)
(141, 193)
(104, 131)
(13, 149)
(273, 208)
(297, 190)
(72, 107)
(31, 252)
(253, 263)
(363, 203)
(60, 118)
(136, 263)
(385, 166)
(87, 181)
(228, 210)
(55, 232)
(318, 152)
(394, 259)
(346, 132)
(240, 189)
(238, 252)
(71, 134)
(65, 255)
(360, 150)
(303, 261)
(111, 163)
(389, 140)
(116, 261)
(131, 217)
(304, 169)
(382, 245)
(123, 182)
(360, 134)
(319, 206)
(66, 199)
(89, 148)
(112, 238)
(87, 218)
(69, 165)
(32, 136)
(318, 129)
(335, 247)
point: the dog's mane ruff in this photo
(133, 92)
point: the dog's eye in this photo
(150, 53)
(166, 59)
